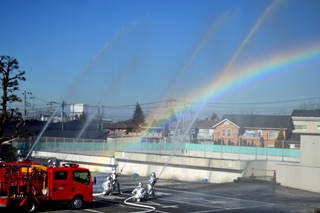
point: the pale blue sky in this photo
(118, 53)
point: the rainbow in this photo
(228, 81)
(231, 80)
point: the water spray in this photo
(115, 83)
(85, 70)
(177, 145)
(189, 62)
(133, 152)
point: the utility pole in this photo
(170, 105)
(25, 104)
(50, 109)
(62, 114)
(170, 114)
(98, 118)
(183, 111)
(73, 117)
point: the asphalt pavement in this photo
(196, 197)
(244, 196)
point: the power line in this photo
(260, 103)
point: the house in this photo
(206, 130)
(306, 122)
(256, 130)
(121, 127)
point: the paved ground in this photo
(183, 197)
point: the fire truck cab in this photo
(31, 186)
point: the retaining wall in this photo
(169, 167)
(304, 175)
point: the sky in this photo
(193, 56)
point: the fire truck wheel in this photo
(76, 202)
(30, 206)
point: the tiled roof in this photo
(261, 121)
(121, 125)
(306, 113)
(185, 124)
(207, 124)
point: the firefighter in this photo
(153, 179)
(139, 193)
(106, 185)
(114, 177)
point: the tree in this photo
(10, 78)
(83, 117)
(214, 116)
(172, 116)
(138, 117)
(280, 140)
(8, 153)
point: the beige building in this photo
(306, 121)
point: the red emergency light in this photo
(72, 165)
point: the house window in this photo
(302, 127)
(318, 126)
(273, 134)
(223, 132)
(229, 132)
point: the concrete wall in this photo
(310, 150)
(304, 175)
(180, 173)
(179, 167)
(169, 167)
(299, 177)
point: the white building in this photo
(78, 110)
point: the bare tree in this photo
(311, 104)
(10, 78)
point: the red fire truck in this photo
(32, 186)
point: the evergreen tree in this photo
(83, 117)
(173, 116)
(138, 117)
(214, 116)
(280, 140)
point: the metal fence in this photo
(96, 147)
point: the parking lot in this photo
(181, 197)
